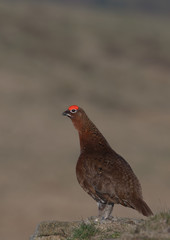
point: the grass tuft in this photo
(163, 216)
(84, 232)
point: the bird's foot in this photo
(102, 219)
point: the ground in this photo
(153, 228)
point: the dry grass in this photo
(116, 66)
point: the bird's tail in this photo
(142, 207)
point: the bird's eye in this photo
(73, 110)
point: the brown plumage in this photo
(103, 173)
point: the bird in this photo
(104, 174)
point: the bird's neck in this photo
(91, 139)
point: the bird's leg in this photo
(105, 210)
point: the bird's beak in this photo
(67, 113)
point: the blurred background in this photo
(110, 57)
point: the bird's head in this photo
(76, 114)
(72, 112)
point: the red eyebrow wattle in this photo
(73, 107)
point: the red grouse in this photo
(103, 173)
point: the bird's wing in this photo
(115, 182)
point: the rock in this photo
(56, 230)
(53, 230)
(155, 227)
